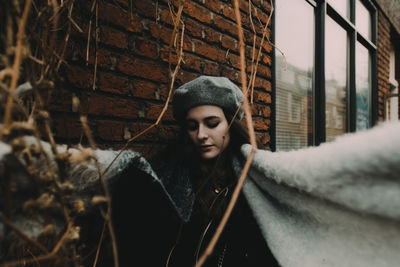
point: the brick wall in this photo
(132, 76)
(383, 64)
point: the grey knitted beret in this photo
(207, 90)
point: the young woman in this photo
(336, 204)
(173, 219)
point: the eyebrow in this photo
(205, 119)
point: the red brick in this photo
(158, 133)
(212, 36)
(258, 28)
(267, 60)
(110, 130)
(104, 58)
(146, 48)
(263, 84)
(193, 28)
(230, 73)
(262, 97)
(161, 92)
(144, 69)
(166, 16)
(113, 37)
(260, 110)
(166, 56)
(192, 62)
(226, 25)
(264, 16)
(67, 128)
(261, 124)
(211, 68)
(383, 54)
(234, 60)
(243, 6)
(231, 43)
(266, 6)
(113, 83)
(79, 77)
(211, 52)
(266, 45)
(185, 76)
(143, 89)
(229, 12)
(263, 139)
(160, 32)
(263, 71)
(57, 100)
(119, 17)
(146, 8)
(153, 111)
(197, 11)
(163, 33)
(214, 5)
(248, 37)
(94, 104)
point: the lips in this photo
(206, 147)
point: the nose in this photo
(202, 133)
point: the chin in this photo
(209, 155)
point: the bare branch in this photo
(17, 63)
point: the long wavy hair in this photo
(182, 150)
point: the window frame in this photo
(322, 10)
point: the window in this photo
(294, 74)
(363, 20)
(363, 86)
(341, 6)
(324, 60)
(336, 58)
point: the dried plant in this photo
(39, 207)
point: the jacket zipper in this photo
(221, 257)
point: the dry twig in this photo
(16, 66)
(106, 191)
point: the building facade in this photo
(347, 51)
(325, 67)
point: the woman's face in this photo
(208, 129)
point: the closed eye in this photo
(212, 122)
